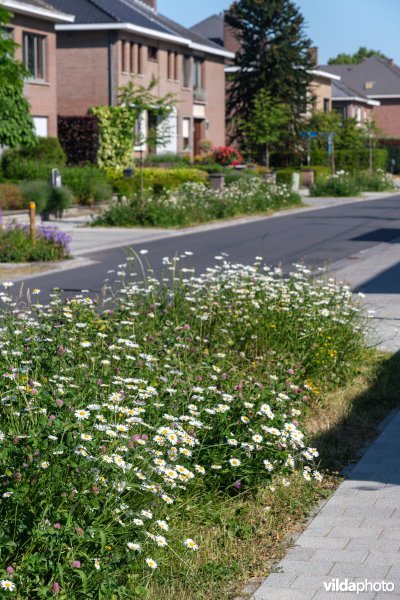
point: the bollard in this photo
(1, 219)
(32, 221)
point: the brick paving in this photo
(355, 536)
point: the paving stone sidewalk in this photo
(355, 536)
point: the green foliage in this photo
(11, 197)
(47, 150)
(274, 55)
(89, 184)
(21, 169)
(60, 199)
(16, 246)
(171, 159)
(38, 192)
(117, 124)
(285, 176)
(155, 180)
(392, 146)
(320, 172)
(195, 203)
(336, 186)
(377, 182)
(358, 159)
(265, 125)
(16, 124)
(354, 59)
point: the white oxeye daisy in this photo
(134, 547)
(85, 344)
(160, 541)
(151, 563)
(189, 543)
(44, 464)
(82, 414)
(235, 462)
(5, 584)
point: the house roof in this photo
(211, 28)
(133, 15)
(39, 9)
(344, 93)
(373, 77)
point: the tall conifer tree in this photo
(274, 55)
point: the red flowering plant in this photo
(225, 155)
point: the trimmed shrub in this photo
(79, 136)
(157, 180)
(358, 160)
(89, 184)
(392, 146)
(22, 169)
(378, 182)
(46, 150)
(11, 197)
(38, 192)
(60, 199)
(166, 158)
(285, 177)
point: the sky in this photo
(333, 25)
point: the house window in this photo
(124, 65)
(140, 59)
(186, 71)
(198, 80)
(327, 105)
(41, 126)
(186, 133)
(152, 53)
(34, 52)
(132, 58)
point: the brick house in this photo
(33, 28)
(351, 104)
(377, 80)
(113, 42)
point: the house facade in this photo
(376, 80)
(33, 28)
(350, 104)
(113, 42)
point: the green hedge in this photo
(285, 176)
(157, 180)
(358, 160)
(88, 184)
(320, 172)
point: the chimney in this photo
(151, 3)
(314, 55)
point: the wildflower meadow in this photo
(118, 412)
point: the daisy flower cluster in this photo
(115, 411)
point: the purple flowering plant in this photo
(16, 245)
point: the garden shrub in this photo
(115, 422)
(377, 182)
(357, 159)
(225, 155)
(38, 192)
(285, 177)
(79, 136)
(16, 245)
(60, 199)
(89, 184)
(392, 146)
(156, 180)
(232, 176)
(210, 168)
(116, 142)
(320, 172)
(25, 169)
(167, 158)
(11, 197)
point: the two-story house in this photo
(112, 42)
(33, 28)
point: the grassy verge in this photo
(135, 434)
(245, 536)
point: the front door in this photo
(198, 135)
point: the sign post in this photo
(32, 221)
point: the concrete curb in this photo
(15, 271)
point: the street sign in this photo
(308, 134)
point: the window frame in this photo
(38, 50)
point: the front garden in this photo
(132, 426)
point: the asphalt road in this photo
(317, 238)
